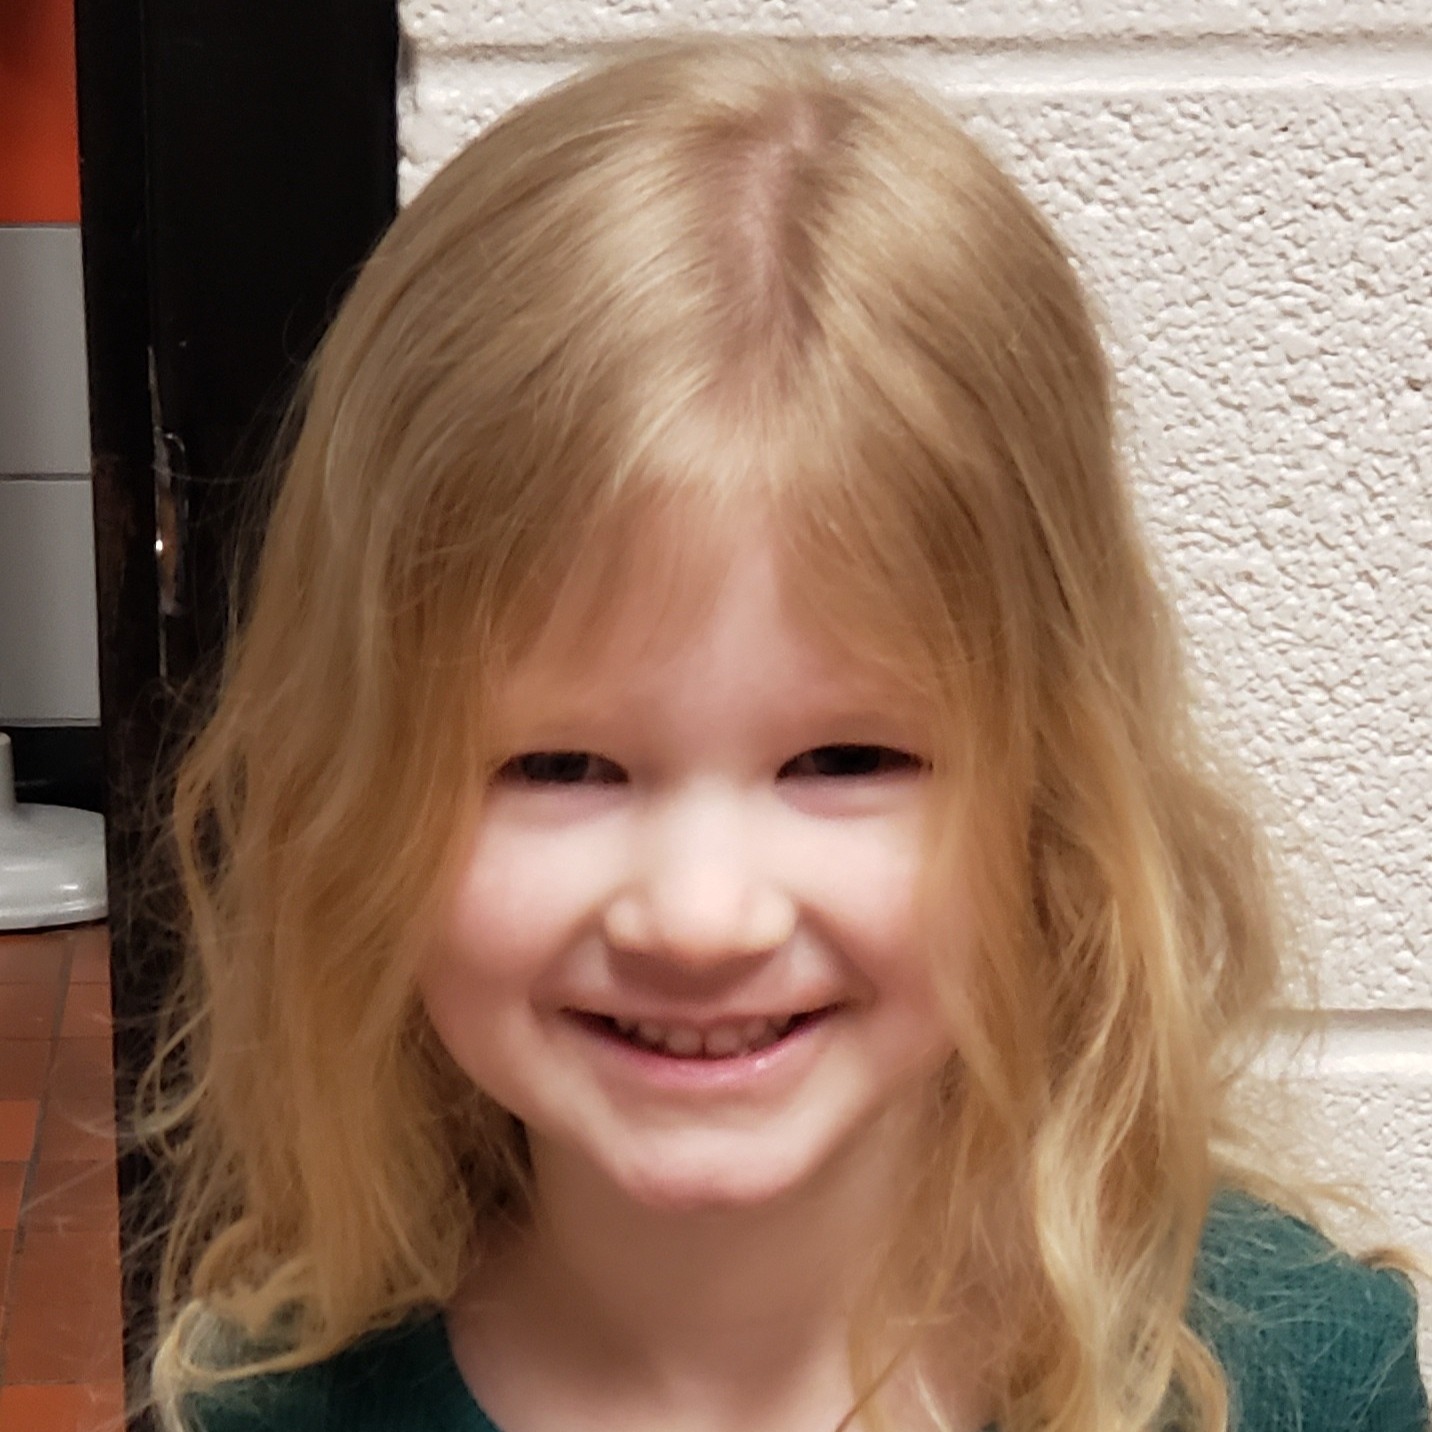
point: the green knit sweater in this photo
(1310, 1341)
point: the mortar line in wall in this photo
(1399, 59)
(1410, 1021)
(1181, 68)
(1396, 1043)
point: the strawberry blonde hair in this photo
(709, 275)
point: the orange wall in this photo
(39, 165)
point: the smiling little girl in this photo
(709, 911)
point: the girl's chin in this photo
(698, 1196)
(722, 1180)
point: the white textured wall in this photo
(1249, 186)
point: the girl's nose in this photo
(699, 892)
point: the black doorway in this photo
(238, 161)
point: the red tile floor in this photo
(60, 1367)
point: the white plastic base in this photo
(51, 860)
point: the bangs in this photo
(810, 473)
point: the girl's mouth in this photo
(730, 1040)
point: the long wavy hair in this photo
(709, 274)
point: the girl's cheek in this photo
(494, 906)
(520, 895)
(876, 873)
(897, 928)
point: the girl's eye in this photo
(849, 761)
(561, 768)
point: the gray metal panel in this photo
(44, 418)
(49, 651)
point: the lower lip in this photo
(785, 1059)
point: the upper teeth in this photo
(721, 1041)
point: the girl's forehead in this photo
(728, 591)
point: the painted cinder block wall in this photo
(1248, 185)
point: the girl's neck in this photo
(708, 1318)
(735, 1289)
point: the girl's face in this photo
(683, 949)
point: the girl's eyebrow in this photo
(582, 724)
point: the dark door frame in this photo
(238, 160)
